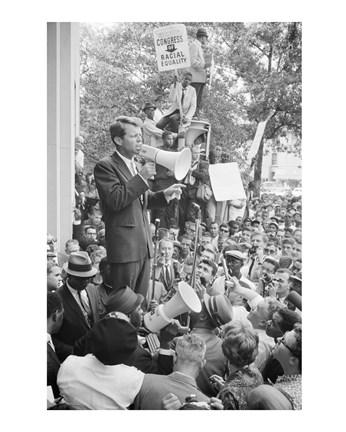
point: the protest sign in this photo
(258, 136)
(226, 181)
(172, 48)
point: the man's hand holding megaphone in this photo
(148, 170)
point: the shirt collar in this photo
(130, 163)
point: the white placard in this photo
(257, 140)
(172, 48)
(226, 181)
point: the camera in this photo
(192, 404)
(267, 278)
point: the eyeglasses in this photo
(224, 230)
(282, 341)
(269, 251)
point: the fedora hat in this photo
(113, 340)
(79, 264)
(219, 309)
(202, 32)
(123, 300)
(148, 105)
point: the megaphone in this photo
(178, 162)
(185, 300)
(196, 129)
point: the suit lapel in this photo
(51, 353)
(69, 299)
(93, 304)
(121, 165)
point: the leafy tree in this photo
(258, 69)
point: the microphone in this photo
(157, 223)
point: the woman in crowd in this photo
(240, 347)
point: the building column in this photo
(62, 126)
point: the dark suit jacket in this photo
(128, 236)
(74, 325)
(140, 358)
(53, 365)
(155, 387)
(159, 273)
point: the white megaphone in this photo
(185, 300)
(178, 162)
(196, 129)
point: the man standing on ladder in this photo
(199, 65)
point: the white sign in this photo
(172, 48)
(226, 181)
(257, 140)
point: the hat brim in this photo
(89, 273)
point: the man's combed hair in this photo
(262, 234)
(190, 348)
(289, 318)
(209, 263)
(240, 344)
(54, 303)
(117, 129)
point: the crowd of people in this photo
(137, 235)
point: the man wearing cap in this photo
(216, 312)
(125, 200)
(234, 262)
(102, 379)
(80, 300)
(126, 305)
(152, 135)
(159, 111)
(272, 229)
(199, 64)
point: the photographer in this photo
(256, 255)
(266, 273)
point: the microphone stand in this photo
(156, 237)
(194, 264)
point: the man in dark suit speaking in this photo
(125, 198)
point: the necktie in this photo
(85, 308)
(167, 276)
(134, 172)
(251, 267)
(182, 94)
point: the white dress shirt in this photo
(88, 384)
